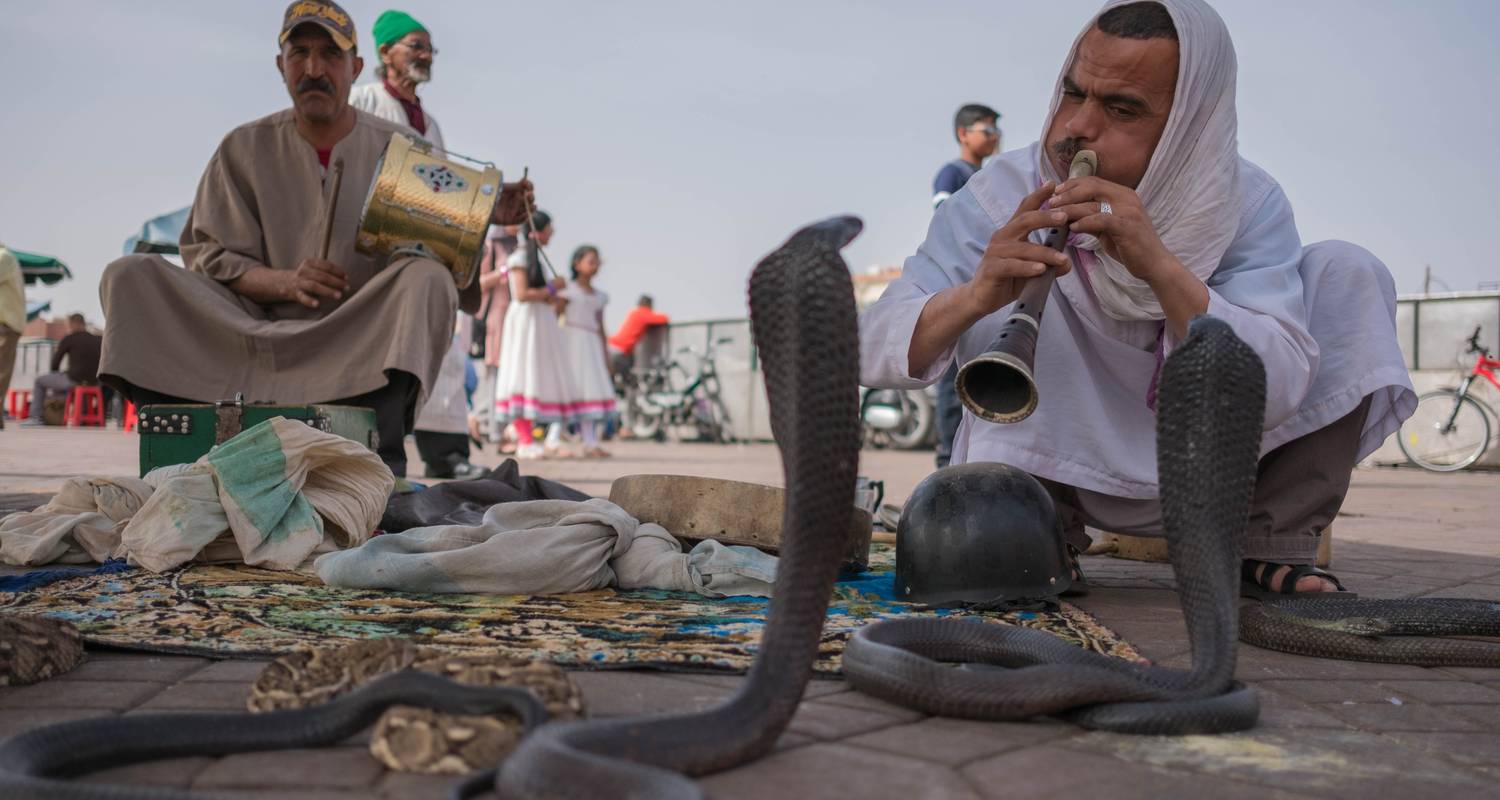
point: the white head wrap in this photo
(1191, 186)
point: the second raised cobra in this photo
(1207, 439)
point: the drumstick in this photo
(337, 177)
(530, 225)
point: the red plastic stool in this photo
(18, 403)
(130, 417)
(85, 407)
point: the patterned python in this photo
(1208, 436)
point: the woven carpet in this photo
(239, 611)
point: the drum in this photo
(422, 202)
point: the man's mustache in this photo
(1065, 149)
(315, 85)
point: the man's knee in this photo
(429, 278)
(1345, 264)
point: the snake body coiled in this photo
(1212, 402)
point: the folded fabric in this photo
(263, 497)
(465, 502)
(80, 524)
(547, 547)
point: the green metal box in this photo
(180, 434)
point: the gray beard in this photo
(416, 74)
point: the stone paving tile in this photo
(860, 700)
(1336, 691)
(204, 696)
(1446, 692)
(1464, 748)
(1438, 566)
(1325, 763)
(1481, 674)
(18, 720)
(233, 671)
(818, 687)
(827, 721)
(1055, 771)
(326, 768)
(113, 695)
(1472, 591)
(612, 693)
(177, 773)
(959, 741)
(1256, 664)
(287, 794)
(835, 772)
(411, 786)
(1382, 717)
(1283, 711)
(154, 669)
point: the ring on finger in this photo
(1105, 208)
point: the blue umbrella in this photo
(159, 234)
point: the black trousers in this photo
(394, 404)
(440, 451)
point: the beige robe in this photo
(261, 203)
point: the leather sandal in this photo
(1259, 588)
(1080, 584)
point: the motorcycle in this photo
(904, 419)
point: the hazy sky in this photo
(686, 139)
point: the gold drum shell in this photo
(423, 203)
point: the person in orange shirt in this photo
(637, 322)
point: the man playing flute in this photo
(1174, 224)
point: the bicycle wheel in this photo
(1447, 433)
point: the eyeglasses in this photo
(419, 48)
(987, 130)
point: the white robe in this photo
(374, 99)
(1093, 428)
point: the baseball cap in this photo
(322, 13)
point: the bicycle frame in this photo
(1483, 366)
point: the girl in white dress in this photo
(585, 351)
(535, 383)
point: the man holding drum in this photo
(1174, 224)
(257, 311)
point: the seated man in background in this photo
(1175, 224)
(639, 320)
(257, 312)
(80, 349)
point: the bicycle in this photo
(1451, 428)
(652, 404)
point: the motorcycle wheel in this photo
(916, 430)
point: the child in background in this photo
(534, 382)
(585, 352)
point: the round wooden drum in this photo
(424, 203)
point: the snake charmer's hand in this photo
(515, 198)
(315, 278)
(1115, 215)
(1011, 258)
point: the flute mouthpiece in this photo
(1085, 163)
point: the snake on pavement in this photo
(802, 315)
(1211, 404)
(803, 320)
(1397, 631)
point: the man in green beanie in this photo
(406, 53)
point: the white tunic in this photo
(1093, 428)
(373, 98)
